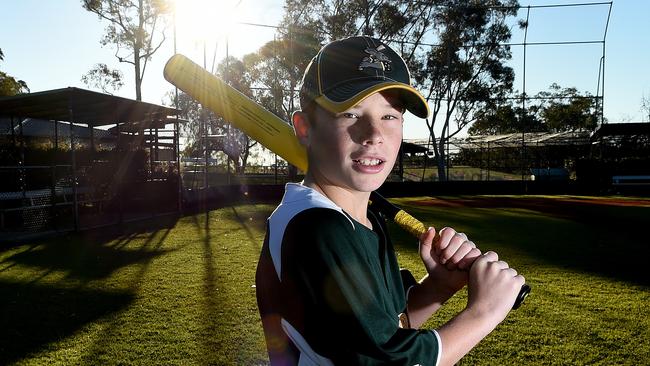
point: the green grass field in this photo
(457, 173)
(179, 291)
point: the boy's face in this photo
(356, 149)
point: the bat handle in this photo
(416, 228)
(523, 294)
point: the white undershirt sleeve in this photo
(439, 346)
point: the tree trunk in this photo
(244, 159)
(439, 154)
(441, 161)
(136, 52)
(138, 78)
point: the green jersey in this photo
(329, 289)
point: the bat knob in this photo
(523, 294)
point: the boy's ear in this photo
(301, 126)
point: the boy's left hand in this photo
(449, 258)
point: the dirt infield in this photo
(629, 213)
(531, 201)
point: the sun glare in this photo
(206, 20)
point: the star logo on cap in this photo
(375, 59)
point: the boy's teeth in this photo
(369, 161)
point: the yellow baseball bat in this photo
(254, 120)
(269, 130)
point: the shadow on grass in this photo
(33, 315)
(256, 220)
(215, 230)
(88, 255)
(210, 283)
(81, 260)
(603, 239)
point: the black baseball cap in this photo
(347, 71)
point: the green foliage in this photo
(278, 68)
(9, 85)
(330, 19)
(505, 119)
(238, 146)
(389, 21)
(103, 78)
(465, 71)
(556, 110)
(567, 110)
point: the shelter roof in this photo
(514, 140)
(33, 127)
(82, 106)
(410, 147)
(531, 138)
(621, 129)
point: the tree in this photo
(461, 75)
(276, 69)
(556, 110)
(103, 78)
(506, 118)
(330, 19)
(565, 109)
(269, 76)
(194, 113)
(9, 85)
(464, 73)
(645, 107)
(132, 27)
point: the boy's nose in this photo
(371, 133)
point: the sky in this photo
(50, 44)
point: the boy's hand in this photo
(493, 287)
(449, 258)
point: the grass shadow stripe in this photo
(35, 315)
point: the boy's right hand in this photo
(493, 287)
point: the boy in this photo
(328, 285)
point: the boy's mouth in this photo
(368, 162)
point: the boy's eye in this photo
(349, 115)
(391, 117)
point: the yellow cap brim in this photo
(413, 100)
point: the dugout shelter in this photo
(72, 158)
